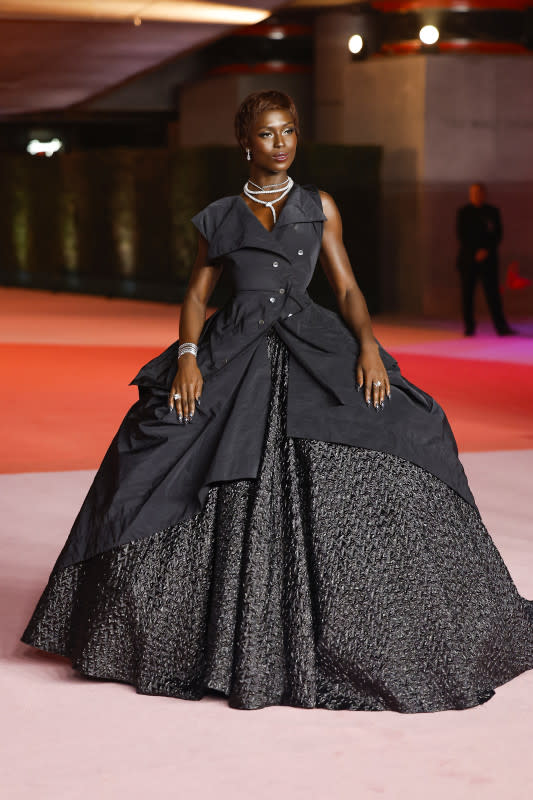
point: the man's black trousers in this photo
(487, 273)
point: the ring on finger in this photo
(177, 396)
(376, 383)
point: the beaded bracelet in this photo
(187, 347)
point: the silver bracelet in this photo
(187, 347)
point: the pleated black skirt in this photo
(339, 578)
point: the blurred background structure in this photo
(116, 126)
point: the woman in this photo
(284, 518)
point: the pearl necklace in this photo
(251, 193)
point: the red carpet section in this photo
(61, 404)
(64, 403)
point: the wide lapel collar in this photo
(302, 208)
(240, 228)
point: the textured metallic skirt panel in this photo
(340, 578)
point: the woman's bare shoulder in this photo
(328, 204)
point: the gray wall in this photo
(444, 121)
(479, 118)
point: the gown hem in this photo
(479, 696)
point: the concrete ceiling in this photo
(57, 53)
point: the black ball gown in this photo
(291, 545)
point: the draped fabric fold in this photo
(157, 472)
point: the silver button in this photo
(282, 291)
(275, 264)
(289, 315)
(300, 252)
(261, 322)
(272, 299)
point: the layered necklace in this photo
(273, 188)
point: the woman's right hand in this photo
(188, 383)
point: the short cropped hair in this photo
(254, 105)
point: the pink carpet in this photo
(66, 364)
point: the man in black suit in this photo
(479, 230)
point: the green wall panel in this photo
(117, 222)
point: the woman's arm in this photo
(188, 380)
(352, 305)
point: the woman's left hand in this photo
(371, 374)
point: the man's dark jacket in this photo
(478, 227)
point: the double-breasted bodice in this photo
(157, 472)
(269, 270)
(286, 255)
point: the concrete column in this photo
(207, 107)
(332, 31)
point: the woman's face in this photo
(273, 140)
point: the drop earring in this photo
(248, 154)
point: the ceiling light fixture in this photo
(429, 34)
(120, 10)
